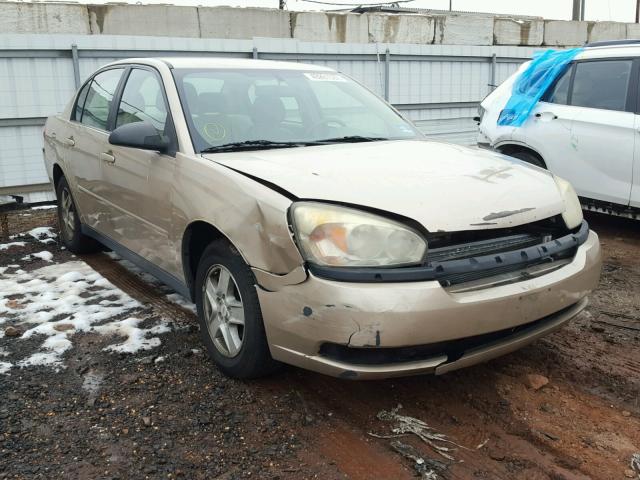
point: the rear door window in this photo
(82, 96)
(601, 84)
(99, 98)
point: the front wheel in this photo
(229, 314)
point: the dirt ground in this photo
(166, 412)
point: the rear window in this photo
(99, 97)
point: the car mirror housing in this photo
(141, 135)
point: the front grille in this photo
(470, 244)
(485, 247)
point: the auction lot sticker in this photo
(325, 77)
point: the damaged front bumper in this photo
(377, 330)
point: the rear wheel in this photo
(229, 314)
(69, 221)
(528, 157)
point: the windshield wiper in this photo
(255, 145)
(351, 139)
(267, 144)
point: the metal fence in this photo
(438, 87)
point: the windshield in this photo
(224, 106)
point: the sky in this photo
(615, 10)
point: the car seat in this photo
(267, 115)
(212, 122)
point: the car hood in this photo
(445, 187)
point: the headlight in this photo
(339, 236)
(572, 215)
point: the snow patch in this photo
(170, 295)
(43, 255)
(43, 234)
(7, 246)
(60, 300)
(182, 301)
(41, 358)
(4, 367)
(136, 337)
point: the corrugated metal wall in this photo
(438, 87)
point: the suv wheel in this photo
(69, 220)
(229, 314)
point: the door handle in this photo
(70, 142)
(547, 116)
(107, 157)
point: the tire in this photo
(69, 222)
(529, 158)
(250, 358)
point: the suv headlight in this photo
(572, 214)
(339, 236)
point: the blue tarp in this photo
(533, 82)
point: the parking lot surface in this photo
(102, 375)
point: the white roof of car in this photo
(225, 62)
(607, 51)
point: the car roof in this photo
(223, 62)
(605, 51)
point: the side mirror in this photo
(139, 135)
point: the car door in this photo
(137, 183)
(603, 134)
(635, 181)
(87, 132)
(548, 129)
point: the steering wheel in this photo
(325, 122)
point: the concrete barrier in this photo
(227, 22)
(560, 33)
(43, 18)
(248, 23)
(329, 27)
(464, 30)
(633, 31)
(599, 31)
(518, 31)
(160, 20)
(401, 28)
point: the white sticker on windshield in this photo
(325, 77)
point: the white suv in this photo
(586, 128)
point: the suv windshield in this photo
(279, 108)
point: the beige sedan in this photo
(310, 223)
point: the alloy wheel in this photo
(224, 311)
